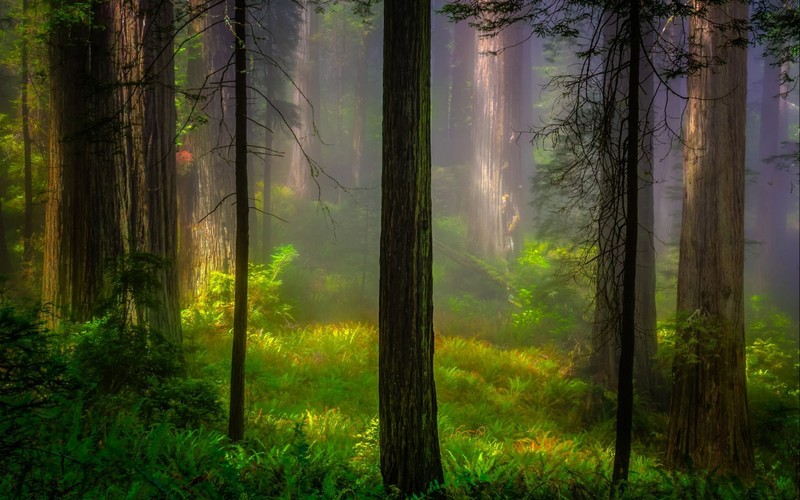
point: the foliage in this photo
(514, 423)
(215, 304)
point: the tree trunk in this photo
(409, 442)
(609, 291)
(158, 200)
(627, 334)
(304, 143)
(236, 421)
(494, 172)
(211, 146)
(70, 274)
(5, 258)
(461, 100)
(708, 425)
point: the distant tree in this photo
(409, 441)
(208, 183)
(305, 143)
(708, 425)
(152, 193)
(495, 177)
(236, 421)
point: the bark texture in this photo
(708, 426)
(409, 442)
(208, 188)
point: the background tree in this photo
(495, 166)
(207, 234)
(708, 425)
(409, 441)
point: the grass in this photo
(512, 422)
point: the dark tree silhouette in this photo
(409, 441)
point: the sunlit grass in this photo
(510, 420)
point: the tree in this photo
(409, 441)
(495, 177)
(157, 171)
(71, 274)
(708, 424)
(610, 258)
(209, 178)
(112, 172)
(305, 144)
(236, 421)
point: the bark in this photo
(495, 157)
(409, 442)
(70, 275)
(708, 425)
(236, 421)
(157, 172)
(213, 220)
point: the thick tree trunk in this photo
(409, 442)
(494, 172)
(70, 279)
(211, 145)
(158, 200)
(708, 426)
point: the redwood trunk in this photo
(708, 426)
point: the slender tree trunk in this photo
(627, 335)
(5, 258)
(236, 422)
(409, 441)
(609, 300)
(708, 425)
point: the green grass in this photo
(512, 422)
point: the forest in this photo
(399, 249)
